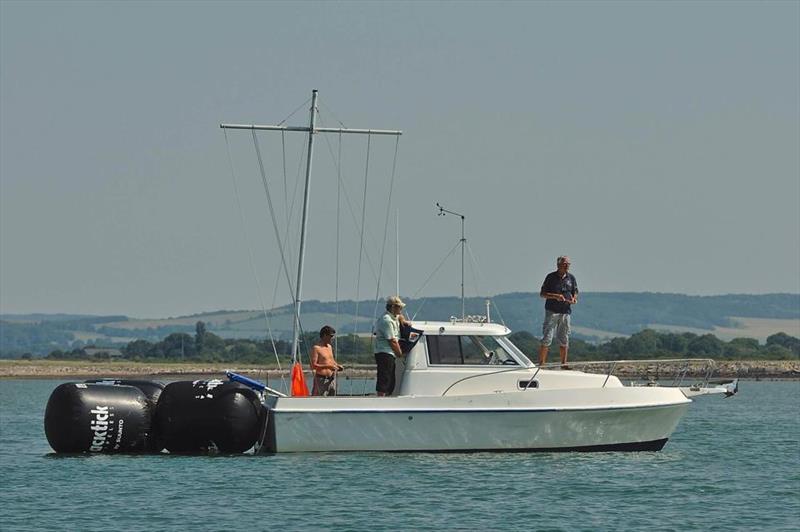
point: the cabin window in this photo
(466, 351)
(472, 351)
(445, 350)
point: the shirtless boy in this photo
(323, 364)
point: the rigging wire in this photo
(293, 112)
(422, 304)
(386, 229)
(361, 248)
(362, 228)
(397, 251)
(284, 244)
(349, 203)
(290, 210)
(272, 214)
(252, 261)
(327, 109)
(477, 274)
(277, 234)
(473, 263)
(338, 217)
(285, 186)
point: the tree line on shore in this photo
(623, 313)
(205, 346)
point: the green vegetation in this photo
(617, 314)
(208, 347)
(205, 346)
(652, 344)
(18, 339)
(629, 313)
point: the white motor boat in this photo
(464, 386)
(467, 387)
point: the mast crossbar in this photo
(316, 130)
(311, 130)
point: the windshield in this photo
(510, 347)
(470, 350)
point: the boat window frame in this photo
(429, 350)
(511, 350)
(514, 351)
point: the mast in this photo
(463, 245)
(301, 260)
(311, 130)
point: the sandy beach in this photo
(48, 369)
(82, 369)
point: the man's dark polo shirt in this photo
(554, 284)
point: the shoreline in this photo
(69, 370)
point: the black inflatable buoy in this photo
(97, 418)
(203, 416)
(151, 389)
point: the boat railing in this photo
(356, 380)
(645, 372)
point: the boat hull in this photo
(411, 425)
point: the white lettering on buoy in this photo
(119, 434)
(99, 425)
(206, 388)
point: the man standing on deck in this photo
(324, 364)
(560, 289)
(387, 345)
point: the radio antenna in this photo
(444, 212)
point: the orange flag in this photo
(299, 388)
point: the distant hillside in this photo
(598, 315)
(34, 318)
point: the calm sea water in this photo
(733, 464)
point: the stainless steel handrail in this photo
(678, 379)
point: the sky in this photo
(656, 143)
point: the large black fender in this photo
(207, 416)
(97, 418)
(151, 389)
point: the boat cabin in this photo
(465, 358)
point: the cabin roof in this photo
(456, 328)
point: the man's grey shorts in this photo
(555, 323)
